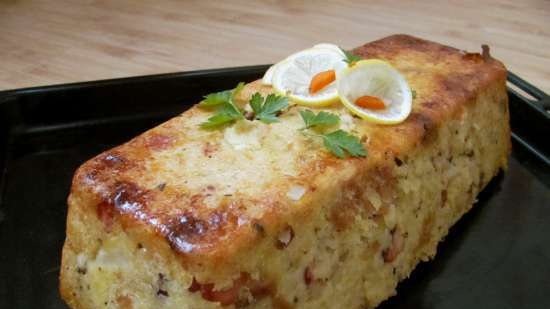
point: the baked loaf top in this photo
(211, 194)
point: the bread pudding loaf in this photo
(260, 215)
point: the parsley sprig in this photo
(266, 110)
(351, 58)
(339, 142)
(322, 119)
(226, 110)
(222, 97)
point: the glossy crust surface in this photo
(209, 197)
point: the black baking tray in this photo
(496, 256)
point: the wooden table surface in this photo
(51, 42)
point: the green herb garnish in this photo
(339, 142)
(322, 119)
(266, 110)
(413, 93)
(350, 57)
(226, 111)
(218, 98)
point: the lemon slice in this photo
(330, 46)
(293, 76)
(378, 79)
(268, 76)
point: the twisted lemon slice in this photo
(268, 76)
(309, 77)
(375, 91)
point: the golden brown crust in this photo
(204, 224)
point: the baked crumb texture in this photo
(182, 218)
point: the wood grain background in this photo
(50, 42)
